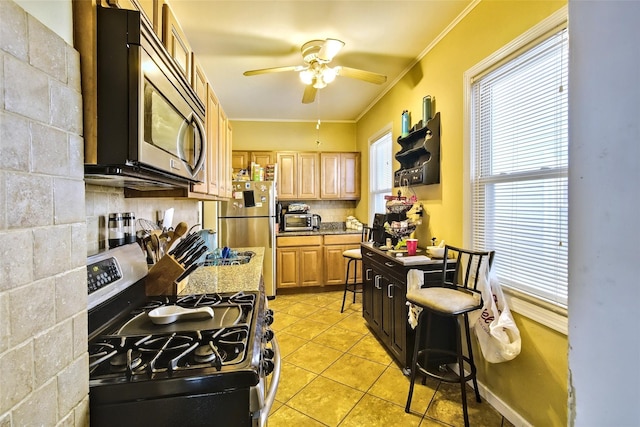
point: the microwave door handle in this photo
(199, 133)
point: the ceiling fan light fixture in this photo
(319, 82)
(328, 74)
(306, 76)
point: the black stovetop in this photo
(131, 357)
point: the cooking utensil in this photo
(188, 271)
(180, 230)
(167, 220)
(171, 313)
(183, 245)
(194, 257)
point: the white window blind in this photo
(519, 168)
(380, 173)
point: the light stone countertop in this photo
(228, 278)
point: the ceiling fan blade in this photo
(309, 94)
(367, 76)
(330, 49)
(275, 70)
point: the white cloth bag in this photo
(497, 333)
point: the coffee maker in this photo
(379, 234)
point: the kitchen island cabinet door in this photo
(367, 291)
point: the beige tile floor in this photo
(336, 373)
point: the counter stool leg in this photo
(414, 362)
(473, 363)
(355, 280)
(463, 383)
(346, 286)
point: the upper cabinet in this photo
(340, 176)
(298, 175)
(151, 11)
(308, 175)
(198, 79)
(176, 42)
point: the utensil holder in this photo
(161, 279)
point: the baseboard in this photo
(500, 405)
(507, 411)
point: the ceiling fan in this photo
(316, 73)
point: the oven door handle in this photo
(273, 385)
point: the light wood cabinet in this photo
(298, 175)
(151, 11)
(176, 42)
(335, 265)
(198, 79)
(340, 176)
(210, 185)
(242, 159)
(213, 132)
(308, 175)
(299, 261)
(287, 176)
(239, 160)
(226, 140)
(263, 158)
(314, 260)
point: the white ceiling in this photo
(233, 36)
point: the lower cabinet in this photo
(385, 310)
(314, 260)
(335, 265)
(299, 261)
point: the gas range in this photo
(143, 370)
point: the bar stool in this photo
(354, 256)
(457, 296)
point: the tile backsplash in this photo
(101, 201)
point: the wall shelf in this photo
(419, 156)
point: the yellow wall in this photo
(535, 383)
(295, 136)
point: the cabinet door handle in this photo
(390, 264)
(369, 254)
(389, 294)
(367, 274)
(377, 281)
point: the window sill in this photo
(545, 313)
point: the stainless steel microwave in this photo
(149, 118)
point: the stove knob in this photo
(268, 316)
(268, 335)
(268, 353)
(267, 366)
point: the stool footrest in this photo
(447, 375)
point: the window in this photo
(519, 167)
(380, 174)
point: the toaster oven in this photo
(301, 222)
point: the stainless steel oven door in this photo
(171, 132)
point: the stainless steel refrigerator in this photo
(249, 219)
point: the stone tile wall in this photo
(43, 315)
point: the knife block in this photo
(161, 279)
